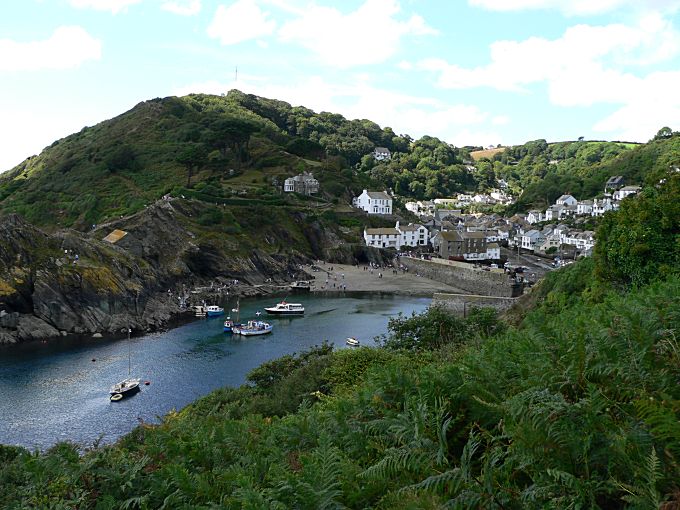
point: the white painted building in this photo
(411, 235)
(584, 208)
(566, 200)
(534, 216)
(626, 191)
(382, 154)
(374, 202)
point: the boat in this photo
(300, 286)
(253, 328)
(284, 308)
(230, 324)
(199, 311)
(127, 386)
(352, 341)
(214, 310)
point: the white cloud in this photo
(67, 48)
(500, 120)
(368, 35)
(588, 65)
(576, 7)
(182, 7)
(241, 21)
(113, 6)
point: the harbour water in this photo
(54, 391)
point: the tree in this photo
(193, 156)
(664, 133)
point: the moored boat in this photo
(199, 311)
(124, 388)
(352, 341)
(253, 328)
(214, 310)
(284, 308)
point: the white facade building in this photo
(401, 235)
(374, 202)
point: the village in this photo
(447, 228)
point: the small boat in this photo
(352, 341)
(214, 310)
(253, 328)
(229, 324)
(284, 308)
(199, 311)
(300, 286)
(124, 388)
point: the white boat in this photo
(253, 328)
(214, 310)
(352, 341)
(284, 308)
(127, 386)
(199, 311)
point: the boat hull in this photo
(247, 332)
(215, 314)
(271, 311)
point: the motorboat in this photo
(124, 388)
(352, 341)
(300, 286)
(284, 308)
(253, 328)
(214, 310)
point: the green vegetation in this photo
(576, 407)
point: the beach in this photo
(332, 277)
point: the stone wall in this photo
(461, 304)
(465, 277)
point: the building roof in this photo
(615, 180)
(630, 188)
(564, 197)
(492, 245)
(381, 231)
(409, 228)
(378, 195)
(382, 149)
(115, 236)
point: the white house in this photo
(382, 154)
(624, 192)
(554, 213)
(493, 251)
(566, 200)
(584, 208)
(534, 216)
(401, 235)
(374, 202)
(601, 206)
(382, 237)
(530, 239)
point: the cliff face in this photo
(68, 282)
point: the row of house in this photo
(411, 235)
(567, 206)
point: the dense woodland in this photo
(571, 401)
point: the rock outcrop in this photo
(68, 282)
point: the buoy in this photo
(116, 397)
(94, 359)
(146, 383)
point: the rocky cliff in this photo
(68, 282)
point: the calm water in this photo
(53, 391)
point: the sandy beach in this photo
(341, 277)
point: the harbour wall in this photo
(461, 304)
(464, 277)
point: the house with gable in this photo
(626, 191)
(412, 235)
(382, 154)
(566, 200)
(614, 183)
(304, 183)
(374, 202)
(534, 216)
(584, 207)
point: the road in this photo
(537, 266)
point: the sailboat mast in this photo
(129, 353)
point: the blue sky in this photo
(472, 72)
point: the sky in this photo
(471, 72)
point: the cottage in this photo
(382, 237)
(584, 208)
(382, 154)
(530, 239)
(457, 245)
(566, 200)
(304, 183)
(626, 191)
(534, 216)
(374, 202)
(614, 183)
(601, 206)
(406, 235)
